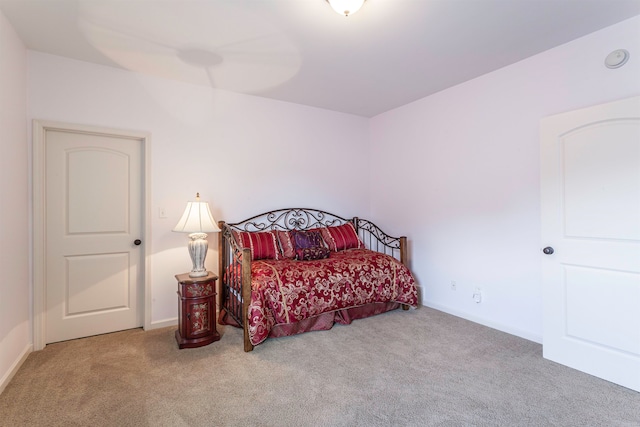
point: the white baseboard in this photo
(15, 367)
(504, 328)
(163, 323)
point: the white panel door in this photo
(93, 199)
(590, 178)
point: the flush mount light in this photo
(617, 58)
(346, 7)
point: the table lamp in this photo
(197, 221)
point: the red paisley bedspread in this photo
(288, 291)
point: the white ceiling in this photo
(390, 53)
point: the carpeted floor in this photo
(416, 368)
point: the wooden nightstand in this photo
(196, 310)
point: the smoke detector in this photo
(617, 58)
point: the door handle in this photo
(137, 242)
(548, 250)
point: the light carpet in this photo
(404, 368)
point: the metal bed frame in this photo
(235, 289)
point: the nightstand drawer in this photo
(196, 290)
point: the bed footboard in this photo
(235, 261)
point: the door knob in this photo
(548, 250)
(137, 242)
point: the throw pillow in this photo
(312, 253)
(305, 240)
(263, 244)
(286, 243)
(342, 237)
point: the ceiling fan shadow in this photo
(240, 58)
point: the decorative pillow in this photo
(342, 237)
(286, 243)
(263, 244)
(314, 252)
(305, 240)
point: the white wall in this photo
(467, 190)
(244, 154)
(15, 335)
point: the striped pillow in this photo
(286, 243)
(263, 244)
(341, 237)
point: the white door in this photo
(590, 178)
(93, 217)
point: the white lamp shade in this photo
(197, 218)
(346, 7)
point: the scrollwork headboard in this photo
(304, 219)
(289, 219)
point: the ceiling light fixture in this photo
(346, 7)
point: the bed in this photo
(296, 270)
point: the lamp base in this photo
(198, 273)
(198, 247)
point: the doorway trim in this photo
(40, 127)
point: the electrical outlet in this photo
(453, 285)
(477, 295)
